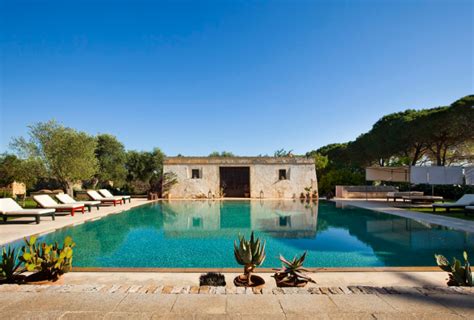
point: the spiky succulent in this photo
(9, 265)
(249, 253)
(293, 271)
(458, 275)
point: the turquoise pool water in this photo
(187, 234)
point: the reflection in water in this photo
(201, 234)
(203, 219)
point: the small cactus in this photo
(250, 254)
(458, 275)
(49, 261)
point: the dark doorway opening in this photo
(235, 181)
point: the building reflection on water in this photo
(279, 219)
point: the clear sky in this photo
(249, 77)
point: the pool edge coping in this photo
(259, 270)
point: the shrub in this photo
(212, 279)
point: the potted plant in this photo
(250, 254)
(292, 273)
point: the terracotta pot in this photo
(288, 283)
(241, 281)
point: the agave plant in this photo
(250, 254)
(9, 266)
(458, 275)
(293, 271)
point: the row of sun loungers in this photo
(9, 208)
(466, 202)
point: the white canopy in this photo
(436, 175)
(395, 174)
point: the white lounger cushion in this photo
(47, 202)
(9, 206)
(96, 196)
(465, 200)
(67, 199)
(29, 211)
(106, 193)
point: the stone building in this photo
(241, 177)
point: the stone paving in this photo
(194, 302)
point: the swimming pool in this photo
(200, 234)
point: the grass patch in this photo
(454, 213)
(28, 203)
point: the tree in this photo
(26, 171)
(111, 157)
(447, 128)
(223, 154)
(145, 168)
(282, 153)
(68, 155)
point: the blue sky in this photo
(249, 77)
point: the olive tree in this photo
(145, 169)
(26, 171)
(68, 155)
(112, 157)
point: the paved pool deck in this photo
(382, 205)
(24, 227)
(382, 295)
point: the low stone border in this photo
(154, 289)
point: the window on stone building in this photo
(196, 174)
(282, 174)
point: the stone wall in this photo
(362, 192)
(14, 189)
(264, 178)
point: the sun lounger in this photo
(94, 195)
(464, 201)
(106, 193)
(47, 202)
(422, 199)
(67, 199)
(400, 195)
(10, 209)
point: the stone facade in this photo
(265, 180)
(14, 189)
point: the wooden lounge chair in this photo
(106, 193)
(67, 199)
(10, 209)
(464, 201)
(47, 202)
(94, 195)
